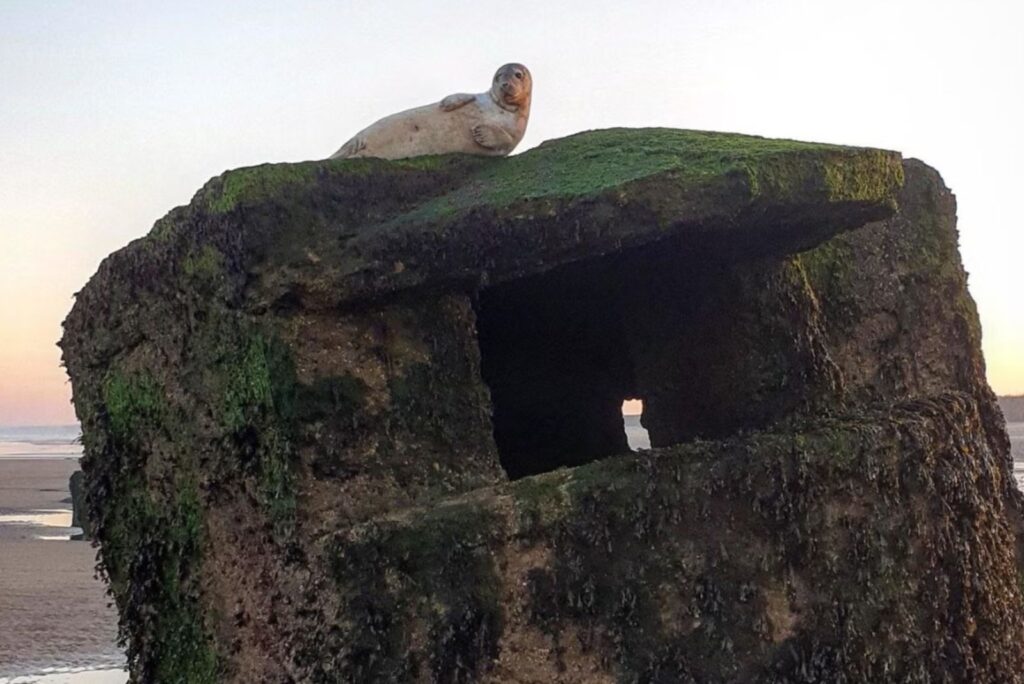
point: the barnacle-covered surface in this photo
(304, 395)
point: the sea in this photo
(51, 441)
(63, 442)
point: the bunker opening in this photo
(554, 353)
(664, 324)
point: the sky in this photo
(111, 113)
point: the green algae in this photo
(163, 629)
(259, 409)
(541, 500)
(268, 182)
(262, 182)
(865, 176)
(830, 271)
(586, 164)
(443, 579)
(832, 174)
(176, 646)
(185, 652)
(249, 386)
(207, 263)
(133, 402)
(390, 225)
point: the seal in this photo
(490, 123)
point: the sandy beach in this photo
(55, 616)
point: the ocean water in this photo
(51, 441)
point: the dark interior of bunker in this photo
(562, 350)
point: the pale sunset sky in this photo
(111, 113)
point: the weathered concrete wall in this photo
(878, 547)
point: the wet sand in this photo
(53, 612)
(71, 677)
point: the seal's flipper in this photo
(493, 138)
(453, 102)
(350, 149)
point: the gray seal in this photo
(490, 123)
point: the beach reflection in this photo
(56, 518)
(53, 525)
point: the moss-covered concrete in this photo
(827, 553)
(143, 503)
(894, 298)
(302, 395)
(587, 164)
(336, 231)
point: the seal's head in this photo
(512, 86)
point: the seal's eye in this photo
(519, 75)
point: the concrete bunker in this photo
(327, 467)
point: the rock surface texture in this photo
(359, 421)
